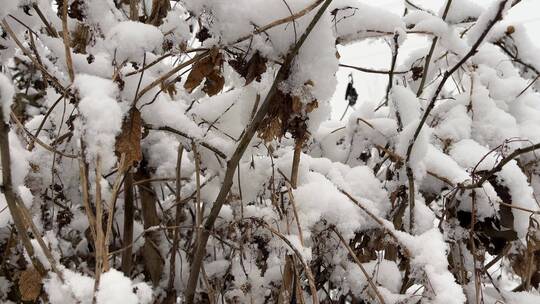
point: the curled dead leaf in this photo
(312, 106)
(129, 140)
(209, 67)
(252, 69)
(214, 83)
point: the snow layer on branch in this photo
(314, 69)
(102, 117)
(526, 110)
(100, 66)
(164, 112)
(386, 273)
(113, 288)
(318, 197)
(420, 147)
(129, 40)
(486, 18)
(469, 154)
(406, 104)
(355, 21)
(516, 36)
(174, 27)
(445, 166)
(429, 253)
(455, 123)
(102, 14)
(229, 111)
(424, 21)
(461, 11)
(491, 125)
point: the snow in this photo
(406, 104)
(8, 6)
(6, 96)
(355, 21)
(174, 27)
(419, 148)
(429, 256)
(486, 18)
(484, 112)
(424, 21)
(100, 127)
(469, 154)
(129, 40)
(77, 287)
(114, 287)
(462, 11)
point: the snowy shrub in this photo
(184, 152)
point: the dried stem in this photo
(357, 261)
(11, 196)
(177, 217)
(309, 274)
(129, 212)
(430, 54)
(99, 227)
(65, 36)
(185, 135)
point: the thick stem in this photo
(129, 210)
(11, 197)
(177, 219)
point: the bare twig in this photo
(431, 104)
(51, 30)
(281, 21)
(431, 50)
(177, 219)
(178, 132)
(372, 71)
(99, 228)
(309, 274)
(167, 75)
(112, 204)
(39, 141)
(501, 164)
(43, 70)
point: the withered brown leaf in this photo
(312, 106)
(214, 83)
(129, 140)
(210, 68)
(30, 284)
(296, 104)
(252, 69)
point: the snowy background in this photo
(376, 53)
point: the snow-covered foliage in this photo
(171, 152)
